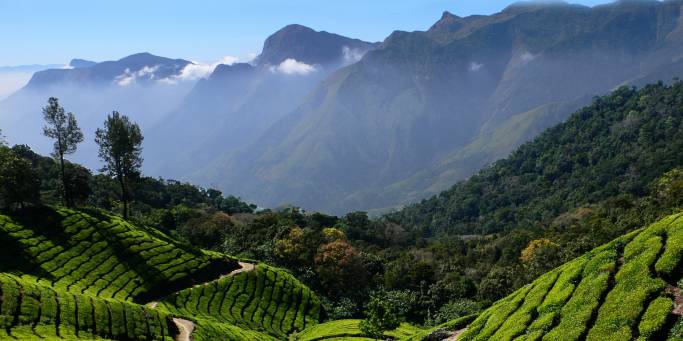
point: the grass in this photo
(349, 329)
(615, 292)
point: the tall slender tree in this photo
(63, 128)
(120, 142)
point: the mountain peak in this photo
(306, 45)
(446, 15)
(81, 63)
(448, 22)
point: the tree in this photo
(339, 267)
(120, 143)
(381, 315)
(18, 183)
(63, 128)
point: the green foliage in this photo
(265, 299)
(655, 317)
(18, 183)
(120, 143)
(456, 309)
(600, 295)
(350, 330)
(63, 128)
(105, 256)
(382, 315)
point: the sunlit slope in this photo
(32, 311)
(101, 255)
(627, 289)
(67, 274)
(265, 299)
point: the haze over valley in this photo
(411, 171)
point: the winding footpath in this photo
(186, 327)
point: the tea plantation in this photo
(84, 274)
(625, 290)
(266, 299)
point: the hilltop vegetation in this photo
(627, 289)
(87, 274)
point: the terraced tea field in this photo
(625, 290)
(102, 255)
(87, 275)
(32, 311)
(266, 299)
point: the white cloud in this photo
(198, 70)
(351, 55)
(291, 66)
(66, 67)
(130, 77)
(527, 57)
(251, 57)
(474, 66)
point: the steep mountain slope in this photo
(422, 98)
(616, 146)
(238, 102)
(627, 289)
(85, 275)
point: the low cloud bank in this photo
(291, 66)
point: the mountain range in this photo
(335, 124)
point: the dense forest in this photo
(610, 168)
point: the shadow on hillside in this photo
(42, 221)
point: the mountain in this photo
(308, 46)
(238, 102)
(132, 85)
(426, 109)
(140, 67)
(614, 148)
(81, 63)
(629, 288)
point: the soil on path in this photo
(185, 327)
(455, 335)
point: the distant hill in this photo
(427, 109)
(615, 147)
(237, 103)
(140, 67)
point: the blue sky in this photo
(48, 31)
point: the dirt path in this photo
(244, 267)
(185, 327)
(455, 335)
(678, 301)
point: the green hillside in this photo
(84, 274)
(266, 299)
(626, 289)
